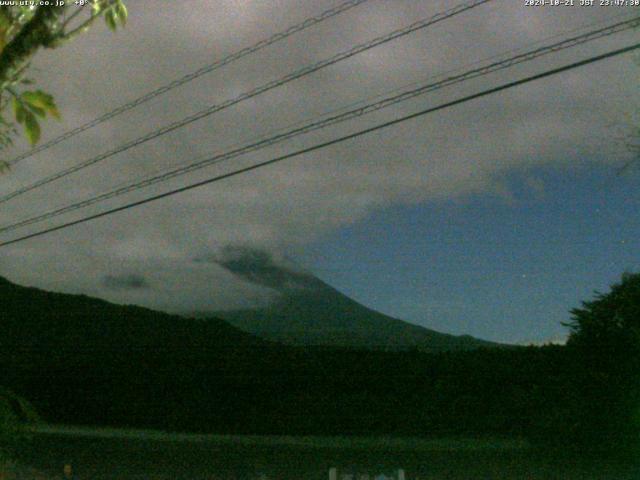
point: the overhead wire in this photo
(328, 143)
(335, 119)
(309, 22)
(420, 24)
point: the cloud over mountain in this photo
(130, 281)
(261, 267)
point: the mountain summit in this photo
(307, 311)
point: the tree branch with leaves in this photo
(24, 30)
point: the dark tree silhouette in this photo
(605, 346)
(611, 321)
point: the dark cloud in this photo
(125, 282)
(261, 267)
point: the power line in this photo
(252, 93)
(319, 146)
(309, 22)
(332, 120)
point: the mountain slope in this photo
(32, 318)
(307, 311)
(83, 360)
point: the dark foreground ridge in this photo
(84, 361)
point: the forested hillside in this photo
(85, 361)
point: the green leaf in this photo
(110, 19)
(38, 111)
(97, 7)
(5, 20)
(37, 99)
(121, 11)
(41, 103)
(53, 111)
(19, 110)
(32, 128)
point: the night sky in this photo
(508, 270)
(492, 218)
